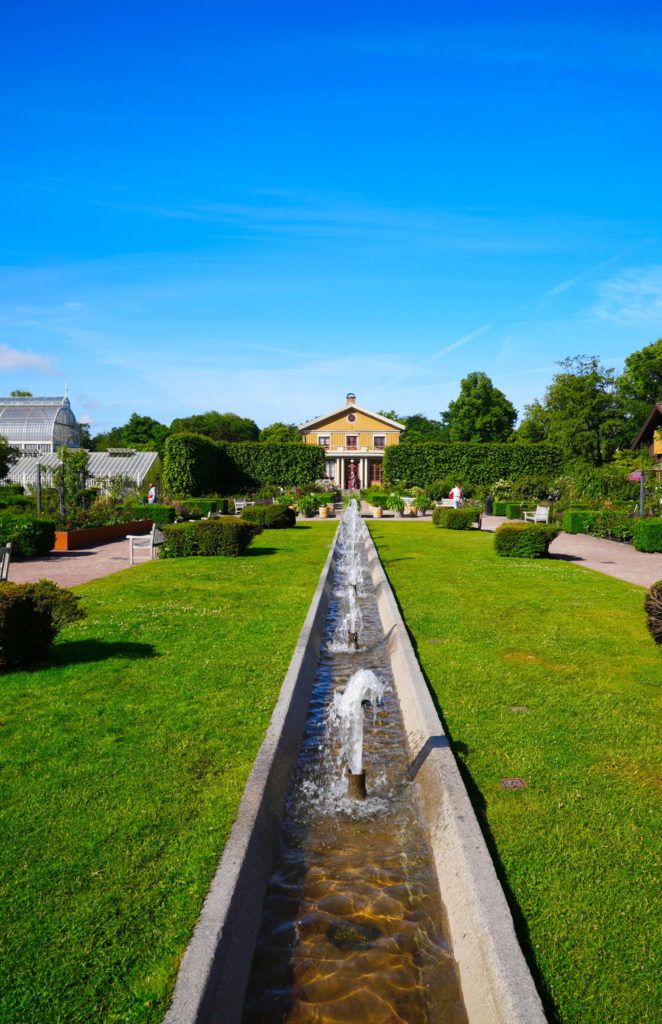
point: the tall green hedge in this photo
(196, 465)
(418, 465)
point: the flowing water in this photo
(353, 927)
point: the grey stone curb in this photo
(496, 982)
(215, 968)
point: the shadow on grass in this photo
(479, 805)
(78, 652)
(256, 552)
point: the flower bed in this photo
(72, 540)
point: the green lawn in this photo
(122, 766)
(579, 849)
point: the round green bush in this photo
(455, 518)
(524, 540)
(270, 517)
(653, 605)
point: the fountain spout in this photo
(363, 690)
(356, 785)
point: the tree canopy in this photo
(640, 385)
(8, 456)
(220, 426)
(480, 412)
(140, 432)
(280, 433)
(580, 413)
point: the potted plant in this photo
(307, 505)
(395, 503)
(421, 503)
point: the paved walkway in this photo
(69, 568)
(607, 556)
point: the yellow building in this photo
(354, 440)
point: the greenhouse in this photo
(140, 468)
(38, 425)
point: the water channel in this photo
(353, 927)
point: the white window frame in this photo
(324, 440)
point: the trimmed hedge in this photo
(524, 540)
(514, 510)
(602, 522)
(499, 508)
(576, 521)
(196, 465)
(31, 614)
(159, 514)
(30, 535)
(455, 518)
(11, 489)
(270, 517)
(204, 505)
(423, 464)
(224, 536)
(648, 535)
(17, 501)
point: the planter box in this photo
(72, 540)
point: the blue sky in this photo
(258, 207)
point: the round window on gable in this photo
(351, 417)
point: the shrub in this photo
(500, 508)
(524, 540)
(62, 605)
(31, 614)
(224, 536)
(653, 605)
(17, 502)
(26, 631)
(531, 487)
(648, 535)
(30, 535)
(455, 518)
(307, 505)
(610, 522)
(270, 517)
(513, 510)
(11, 489)
(575, 521)
(159, 514)
(202, 505)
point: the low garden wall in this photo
(73, 540)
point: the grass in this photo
(578, 849)
(122, 767)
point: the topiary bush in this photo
(62, 605)
(224, 536)
(499, 508)
(524, 540)
(30, 536)
(576, 521)
(647, 534)
(455, 518)
(653, 605)
(514, 510)
(270, 517)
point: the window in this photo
(379, 440)
(376, 472)
(324, 440)
(352, 442)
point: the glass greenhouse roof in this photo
(48, 423)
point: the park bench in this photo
(445, 503)
(541, 515)
(5, 558)
(145, 542)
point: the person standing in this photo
(151, 495)
(457, 495)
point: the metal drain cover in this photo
(513, 784)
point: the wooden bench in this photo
(145, 542)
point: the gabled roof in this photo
(652, 422)
(351, 407)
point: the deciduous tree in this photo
(480, 412)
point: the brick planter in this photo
(72, 540)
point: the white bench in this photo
(541, 515)
(445, 503)
(5, 559)
(146, 542)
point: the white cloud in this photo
(12, 359)
(633, 297)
